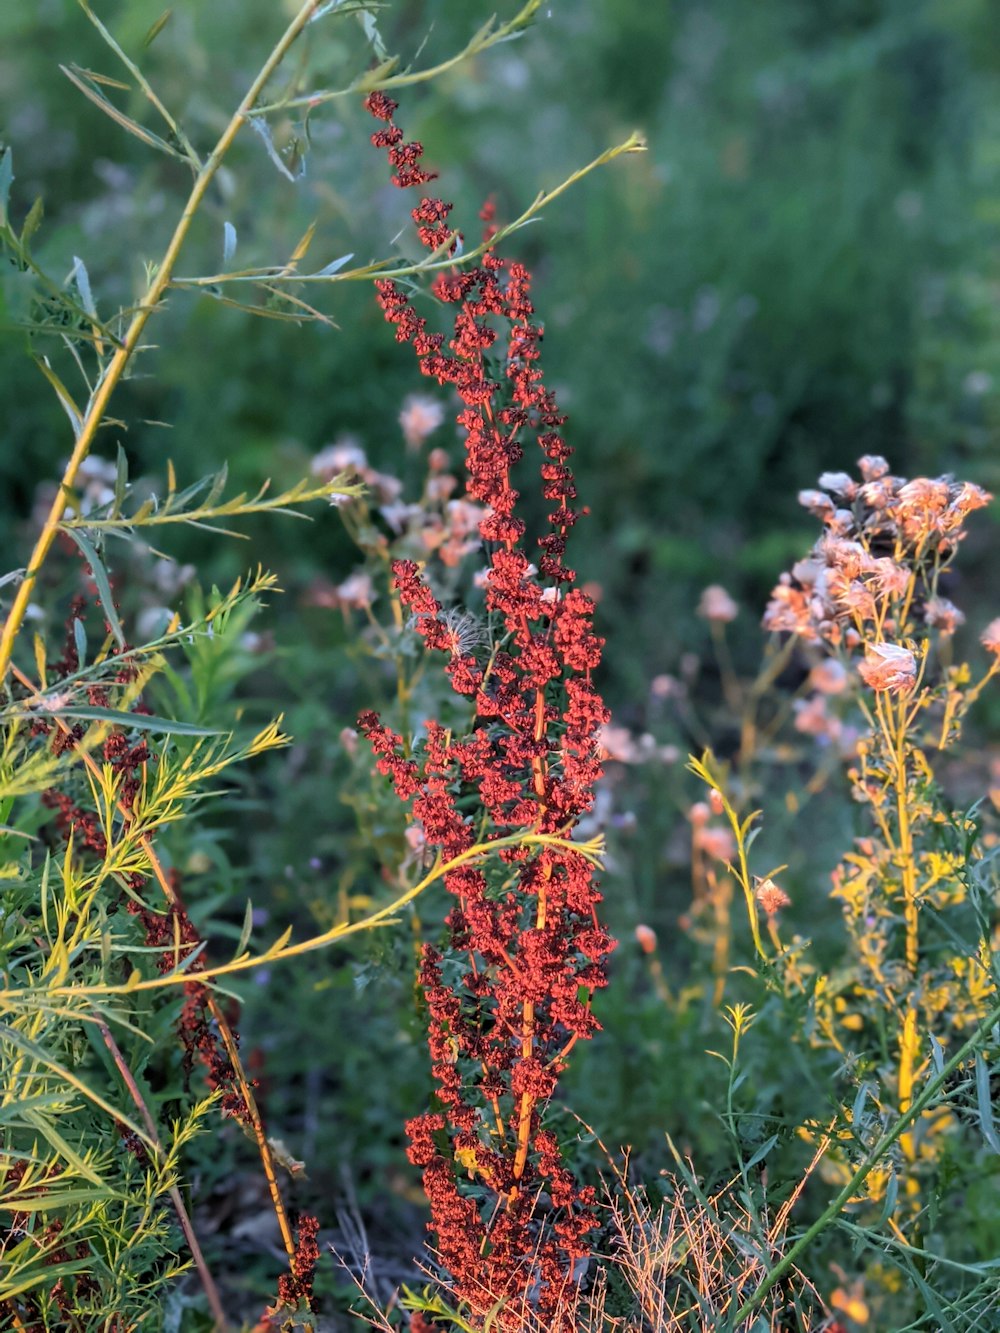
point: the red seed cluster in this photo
(511, 995)
(295, 1287)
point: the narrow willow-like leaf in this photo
(80, 641)
(6, 180)
(157, 27)
(82, 280)
(244, 939)
(984, 1103)
(121, 481)
(84, 81)
(135, 721)
(100, 577)
(334, 266)
(44, 1126)
(62, 393)
(261, 127)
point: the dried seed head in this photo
(716, 604)
(887, 666)
(990, 637)
(771, 898)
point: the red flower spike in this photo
(530, 952)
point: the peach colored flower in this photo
(716, 604)
(771, 897)
(617, 743)
(357, 590)
(717, 843)
(665, 686)
(789, 612)
(990, 637)
(891, 579)
(839, 483)
(419, 418)
(887, 666)
(943, 615)
(812, 719)
(441, 486)
(646, 938)
(817, 502)
(829, 677)
(345, 455)
(873, 467)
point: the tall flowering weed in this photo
(510, 992)
(869, 598)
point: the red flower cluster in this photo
(512, 994)
(295, 1287)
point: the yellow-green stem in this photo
(116, 367)
(907, 865)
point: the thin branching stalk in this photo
(385, 916)
(207, 1281)
(91, 419)
(225, 1030)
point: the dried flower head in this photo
(716, 604)
(894, 540)
(419, 418)
(829, 676)
(887, 666)
(943, 615)
(717, 843)
(646, 938)
(990, 637)
(771, 898)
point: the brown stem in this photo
(207, 1281)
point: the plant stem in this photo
(207, 1281)
(830, 1213)
(116, 367)
(907, 864)
(215, 1008)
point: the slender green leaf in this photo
(80, 641)
(44, 1125)
(6, 180)
(762, 1152)
(984, 1103)
(32, 222)
(100, 577)
(43, 1276)
(247, 928)
(84, 81)
(157, 27)
(82, 279)
(121, 481)
(334, 266)
(136, 721)
(62, 393)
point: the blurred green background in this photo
(803, 268)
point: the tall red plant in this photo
(511, 994)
